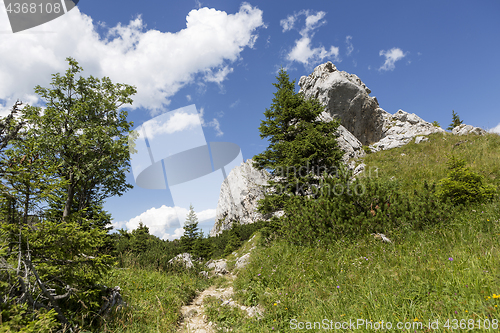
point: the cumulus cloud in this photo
(178, 122)
(303, 51)
(391, 56)
(158, 63)
(163, 222)
(350, 47)
(495, 129)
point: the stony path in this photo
(194, 319)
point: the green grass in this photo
(444, 272)
(427, 160)
(154, 299)
(438, 274)
(432, 275)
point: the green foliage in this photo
(464, 186)
(455, 121)
(353, 209)
(141, 250)
(191, 232)
(236, 235)
(233, 242)
(367, 149)
(436, 124)
(69, 158)
(203, 247)
(16, 319)
(301, 146)
(82, 129)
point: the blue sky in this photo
(425, 57)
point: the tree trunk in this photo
(71, 193)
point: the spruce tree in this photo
(302, 146)
(191, 232)
(455, 121)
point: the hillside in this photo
(435, 274)
(439, 273)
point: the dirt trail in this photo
(194, 319)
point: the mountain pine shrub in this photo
(368, 205)
(462, 185)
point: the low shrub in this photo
(462, 185)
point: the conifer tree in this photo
(455, 121)
(302, 145)
(191, 232)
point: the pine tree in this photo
(191, 232)
(455, 121)
(301, 145)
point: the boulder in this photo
(184, 258)
(242, 261)
(238, 198)
(467, 129)
(419, 139)
(347, 98)
(219, 266)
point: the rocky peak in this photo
(347, 98)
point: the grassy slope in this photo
(154, 299)
(427, 160)
(412, 280)
(451, 272)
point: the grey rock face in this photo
(346, 97)
(238, 198)
(352, 147)
(467, 129)
(400, 128)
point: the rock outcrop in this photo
(468, 129)
(347, 98)
(238, 198)
(352, 147)
(363, 122)
(400, 128)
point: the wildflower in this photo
(450, 259)
(275, 304)
(338, 286)
(258, 274)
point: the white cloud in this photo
(214, 123)
(303, 51)
(188, 97)
(217, 76)
(179, 121)
(495, 129)
(350, 47)
(176, 235)
(157, 63)
(391, 56)
(160, 220)
(288, 23)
